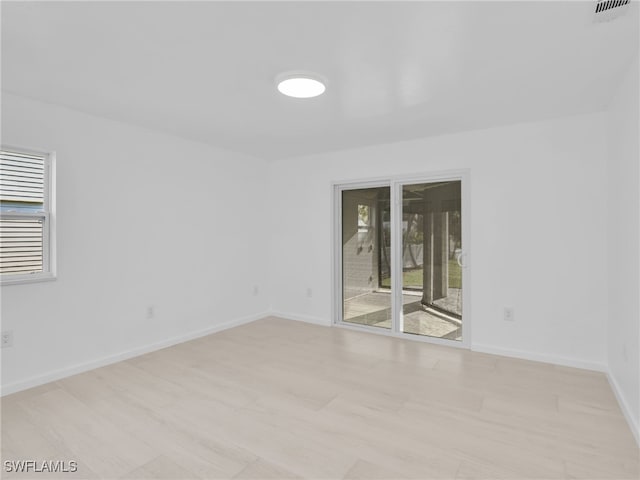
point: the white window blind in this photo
(25, 216)
(21, 179)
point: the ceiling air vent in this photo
(607, 10)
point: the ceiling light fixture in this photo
(301, 85)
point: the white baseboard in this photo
(536, 357)
(302, 318)
(634, 423)
(540, 357)
(118, 357)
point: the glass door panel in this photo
(366, 257)
(432, 259)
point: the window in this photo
(25, 216)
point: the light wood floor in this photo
(282, 399)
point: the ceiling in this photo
(396, 70)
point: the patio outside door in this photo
(432, 258)
(366, 257)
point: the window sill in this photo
(23, 279)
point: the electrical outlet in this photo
(150, 312)
(509, 314)
(256, 290)
(309, 292)
(7, 339)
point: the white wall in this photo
(624, 244)
(143, 219)
(538, 227)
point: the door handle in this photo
(459, 259)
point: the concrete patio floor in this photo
(374, 309)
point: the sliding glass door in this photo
(400, 261)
